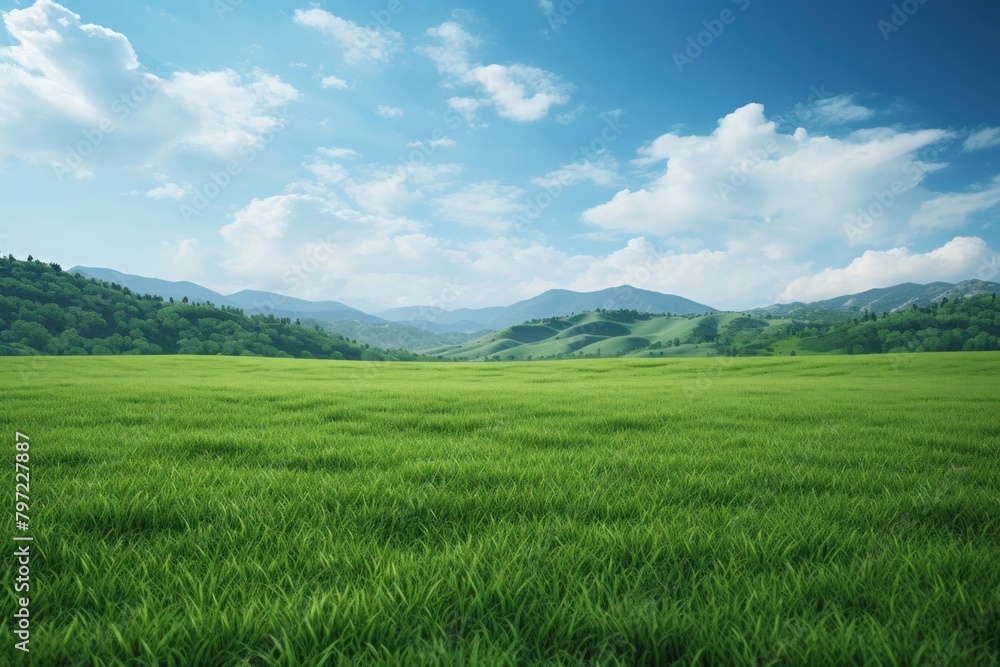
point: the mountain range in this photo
(423, 327)
(437, 320)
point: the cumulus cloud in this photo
(982, 139)
(69, 89)
(959, 259)
(359, 44)
(748, 183)
(518, 92)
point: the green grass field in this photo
(765, 511)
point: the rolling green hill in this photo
(969, 324)
(391, 335)
(600, 333)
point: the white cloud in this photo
(467, 107)
(395, 187)
(748, 184)
(600, 170)
(568, 117)
(316, 246)
(169, 191)
(986, 138)
(338, 153)
(556, 19)
(486, 205)
(518, 92)
(837, 110)
(326, 172)
(959, 259)
(69, 90)
(390, 112)
(358, 43)
(229, 114)
(750, 279)
(332, 82)
(187, 259)
(443, 142)
(955, 209)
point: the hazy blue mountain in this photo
(889, 298)
(154, 286)
(252, 301)
(392, 335)
(554, 303)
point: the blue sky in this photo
(390, 152)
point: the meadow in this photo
(725, 511)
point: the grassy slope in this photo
(225, 511)
(588, 333)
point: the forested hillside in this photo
(968, 324)
(44, 310)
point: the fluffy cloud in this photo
(65, 83)
(358, 43)
(487, 205)
(517, 91)
(390, 188)
(273, 237)
(959, 259)
(169, 191)
(748, 183)
(229, 113)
